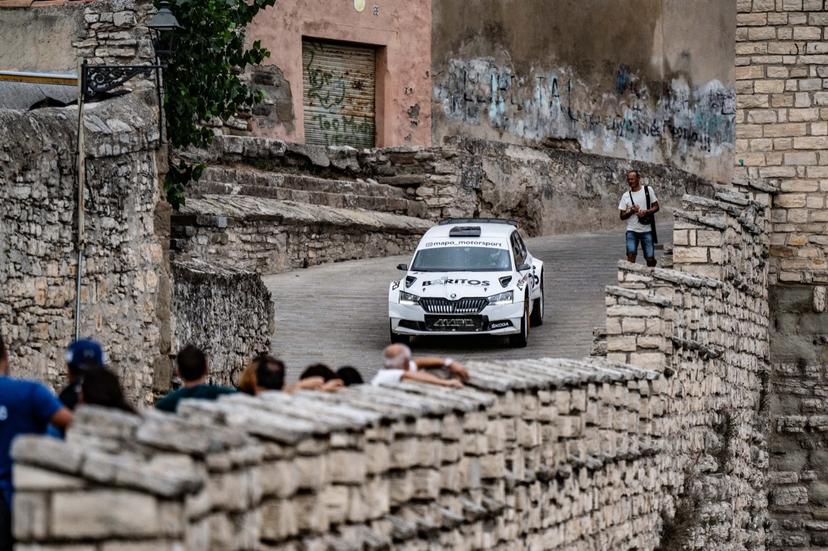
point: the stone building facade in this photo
(782, 140)
(315, 80)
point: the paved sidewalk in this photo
(337, 313)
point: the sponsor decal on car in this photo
(450, 281)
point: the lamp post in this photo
(98, 79)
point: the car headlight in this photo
(502, 298)
(408, 299)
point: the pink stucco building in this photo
(347, 72)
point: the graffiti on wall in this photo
(338, 93)
(624, 119)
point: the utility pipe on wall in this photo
(81, 239)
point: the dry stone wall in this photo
(277, 236)
(704, 325)
(125, 288)
(532, 454)
(225, 311)
(120, 298)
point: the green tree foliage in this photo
(202, 80)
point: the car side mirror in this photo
(402, 267)
(523, 267)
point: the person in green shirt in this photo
(192, 368)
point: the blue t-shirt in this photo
(25, 408)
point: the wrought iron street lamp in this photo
(164, 27)
(99, 79)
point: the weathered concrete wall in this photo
(225, 311)
(401, 31)
(782, 136)
(120, 289)
(650, 80)
(37, 40)
(533, 454)
(55, 36)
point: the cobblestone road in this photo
(337, 313)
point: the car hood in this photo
(455, 285)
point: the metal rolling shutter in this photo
(339, 87)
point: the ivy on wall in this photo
(202, 81)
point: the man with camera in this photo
(638, 207)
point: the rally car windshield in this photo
(462, 259)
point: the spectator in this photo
(270, 373)
(26, 407)
(266, 373)
(192, 368)
(349, 375)
(318, 370)
(81, 356)
(638, 207)
(247, 380)
(262, 374)
(399, 365)
(101, 387)
(320, 377)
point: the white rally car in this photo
(468, 276)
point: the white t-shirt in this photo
(641, 200)
(391, 376)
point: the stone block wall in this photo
(704, 325)
(782, 125)
(519, 458)
(225, 311)
(123, 265)
(539, 454)
(782, 137)
(273, 237)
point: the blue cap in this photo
(84, 352)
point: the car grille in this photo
(460, 306)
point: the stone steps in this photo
(272, 235)
(303, 188)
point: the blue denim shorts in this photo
(646, 240)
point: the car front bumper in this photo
(492, 320)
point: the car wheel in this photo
(537, 309)
(522, 339)
(398, 339)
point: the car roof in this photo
(487, 230)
